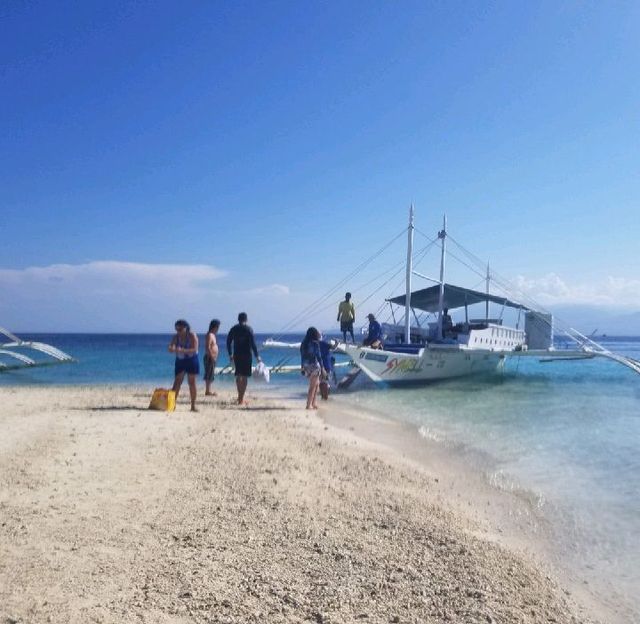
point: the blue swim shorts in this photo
(191, 365)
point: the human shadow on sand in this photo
(253, 408)
(110, 408)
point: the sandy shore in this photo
(113, 513)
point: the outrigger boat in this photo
(442, 350)
(12, 356)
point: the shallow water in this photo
(567, 432)
(119, 358)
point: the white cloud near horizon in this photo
(271, 289)
(111, 274)
(111, 295)
(612, 293)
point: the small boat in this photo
(12, 356)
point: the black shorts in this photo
(346, 326)
(242, 364)
(191, 366)
(209, 368)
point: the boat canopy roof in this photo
(428, 299)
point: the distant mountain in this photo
(587, 319)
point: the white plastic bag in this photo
(261, 372)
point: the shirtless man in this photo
(210, 356)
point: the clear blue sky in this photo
(280, 143)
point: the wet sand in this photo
(113, 513)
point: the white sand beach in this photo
(113, 513)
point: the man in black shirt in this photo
(240, 345)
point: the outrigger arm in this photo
(7, 349)
(591, 346)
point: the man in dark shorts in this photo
(347, 317)
(240, 346)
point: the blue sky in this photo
(196, 159)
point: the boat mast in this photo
(443, 237)
(407, 302)
(487, 302)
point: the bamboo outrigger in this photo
(12, 358)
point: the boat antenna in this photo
(407, 300)
(442, 235)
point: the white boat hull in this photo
(430, 364)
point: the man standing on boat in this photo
(347, 317)
(240, 345)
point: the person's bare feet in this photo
(211, 394)
(194, 408)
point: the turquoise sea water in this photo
(120, 358)
(566, 432)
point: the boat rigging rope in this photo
(322, 303)
(312, 307)
(418, 256)
(511, 290)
